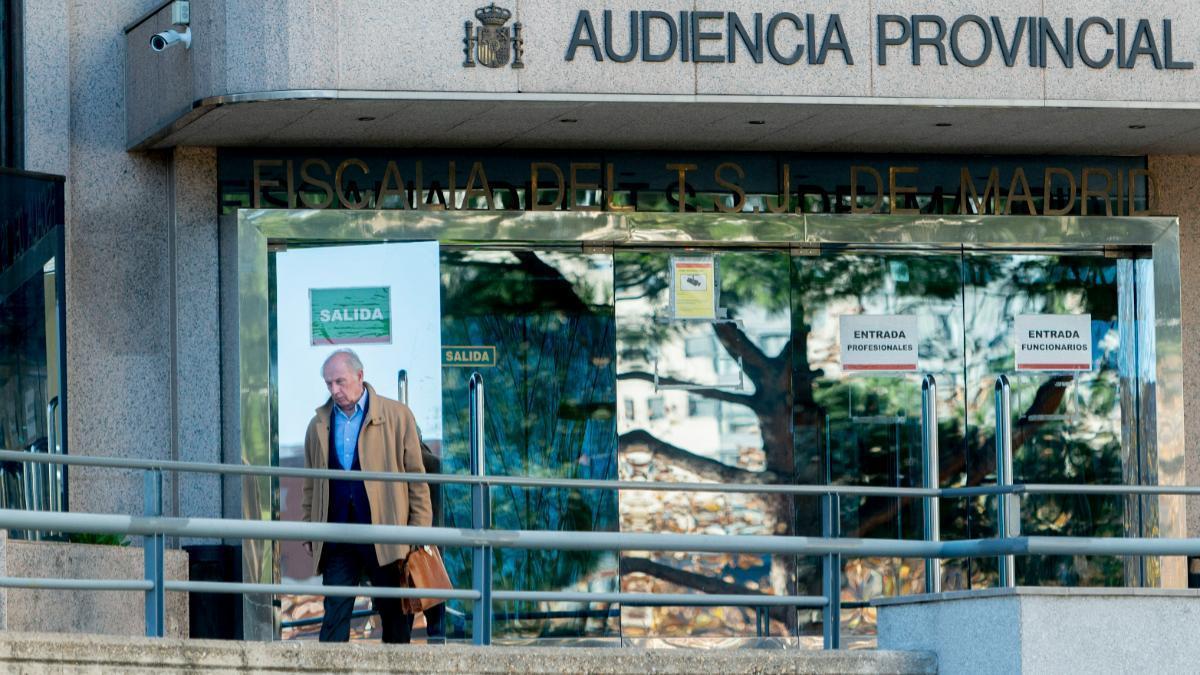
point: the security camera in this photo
(160, 41)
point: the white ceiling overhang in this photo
(641, 121)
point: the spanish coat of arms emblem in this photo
(493, 45)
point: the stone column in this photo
(196, 339)
(1176, 192)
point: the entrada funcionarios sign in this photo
(787, 38)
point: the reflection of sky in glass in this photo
(411, 270)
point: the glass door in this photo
(703, 392)
(380, 300)
(868, 326)
(1062, 327)
(543, 321)
(538, 326)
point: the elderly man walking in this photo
(359, 430)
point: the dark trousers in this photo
(348, 565)
(435, 618)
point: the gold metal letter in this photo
(1026, 194)
(1133, 174)
(341, 191)
(471, 190)
(532, 198)
(258, 183)
(1085, 190)
(391, 171)
(573, 203)
(291, 184)
(739, 200)
(610, 190)
(419, 188)
(307, 177)
(980, 205)
(854, 207)
(682, 169)
(785, 196)
(1047, 183)
(894, 189)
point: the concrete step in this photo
(36, 653)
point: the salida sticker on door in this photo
(1054, 341)
(879, 342)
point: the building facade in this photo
(682, 241)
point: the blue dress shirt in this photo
(345, 431)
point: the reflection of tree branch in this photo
(699, 582)
(718, 394)
(705, 468)
(1046, 400)
(737, 343)
(561, 289)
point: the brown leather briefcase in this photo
(424, 569)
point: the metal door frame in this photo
(247, 235)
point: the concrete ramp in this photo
(33, 654)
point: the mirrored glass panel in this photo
(704, 399)
(1074, 415)
(29, 387)
(857, 414)
(547, 317)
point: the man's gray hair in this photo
(352, 360)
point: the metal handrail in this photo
(159, 527)
(526, 539)
(481, 539)
(463, 479)
(601, 484)
(589, 541)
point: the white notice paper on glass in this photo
(879, 342)
(1054, 342)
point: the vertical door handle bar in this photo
(1005, 517)
(831, 573)
(55, 471)
(481, 569)
(929, 450)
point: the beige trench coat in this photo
(387, 442)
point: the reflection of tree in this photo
(550, 403)
(748, 281)
(549, 411)
(813, 286)
(1085, 449)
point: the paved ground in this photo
(34, 654)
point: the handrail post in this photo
(831, 577)
(481, 519)
(54, 471)
(929, 451)
(152, 556)
(30, 471)
(1005, 516)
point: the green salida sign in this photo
(469, 356)
(351, 316)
